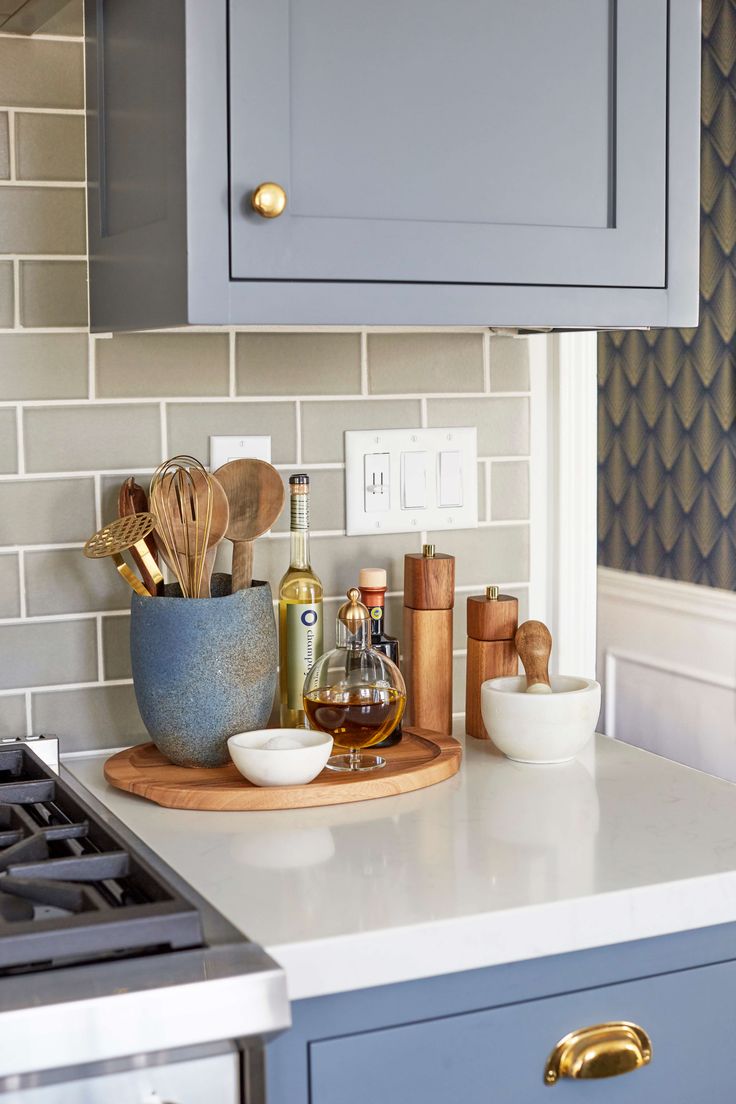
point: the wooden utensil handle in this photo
(534, 643)
(242, 565)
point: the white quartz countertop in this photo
(502, 863)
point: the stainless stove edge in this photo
(62, 1035)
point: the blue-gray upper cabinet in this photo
(486, 162)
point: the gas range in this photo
(105, 954)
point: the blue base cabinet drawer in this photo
(498, 1055)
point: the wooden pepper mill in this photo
(429, 595)
(492, 622)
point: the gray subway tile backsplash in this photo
(503, 424)
(4, 146)
(116, 647)
(7, 294)
(86, 438)
(8, 441)
(9, 585)
(192, 424)
(297, 364)
(46, 511)
(53, 293)
(49, 147)
(422, 362)
(42, 220)
(90, 718)
(62, 580)
(162, 365)
(43, 366)
(46, 653)
(38, 73)
(487, 555)
(13, 716)
(323, 423)
(510, 490)
(509, 364)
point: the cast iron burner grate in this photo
(70, 890)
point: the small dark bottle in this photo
(372, 583)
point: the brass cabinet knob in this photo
(268, 200)
(604, 1050)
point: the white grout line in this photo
(100, 660)
(489, 504)
(97, 481)
(423, 406)
(46, 110)
(43, 184)
(91, 368)
(54, 688)
(16, 294)
(22, 582)
(201, 400)
(231, 365)
(487, 362)
(29, 713)
(38, 36)
(20, 441)
(164, 430)
(364, 362)
(298, 423)
(11, 142)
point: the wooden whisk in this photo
(181, 496)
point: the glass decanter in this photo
(353, 692)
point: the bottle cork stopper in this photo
(372, 578)
(429, 581)
(492, 616)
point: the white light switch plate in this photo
(224, 449)
(413, 479)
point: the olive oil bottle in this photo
(300, 611)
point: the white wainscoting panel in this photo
(667, 662)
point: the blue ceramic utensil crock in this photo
(203, 668)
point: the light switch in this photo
(414, 480)
(377, 468)
(450, 479)
(411, 480)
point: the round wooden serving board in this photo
(421, 759)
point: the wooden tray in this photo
(421, 759)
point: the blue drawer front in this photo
(497, 1056)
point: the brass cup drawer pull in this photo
(268, 200)
(604, 1050)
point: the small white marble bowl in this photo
(540, 728)
(288, 766)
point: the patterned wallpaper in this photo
(667, 398)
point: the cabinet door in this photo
(478, 141)
(498, 1056)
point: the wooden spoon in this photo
(255, 492)
(534, 643)
(132, 499)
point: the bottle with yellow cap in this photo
(492, 622)
(429, 596)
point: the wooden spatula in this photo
(255, 492)
(534, 643)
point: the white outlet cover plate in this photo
(395, 519)
(224, 449)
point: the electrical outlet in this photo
(406, 480)
(224, 449)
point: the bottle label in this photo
(303, 647)
(377, 613)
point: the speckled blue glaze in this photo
(203, 668)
